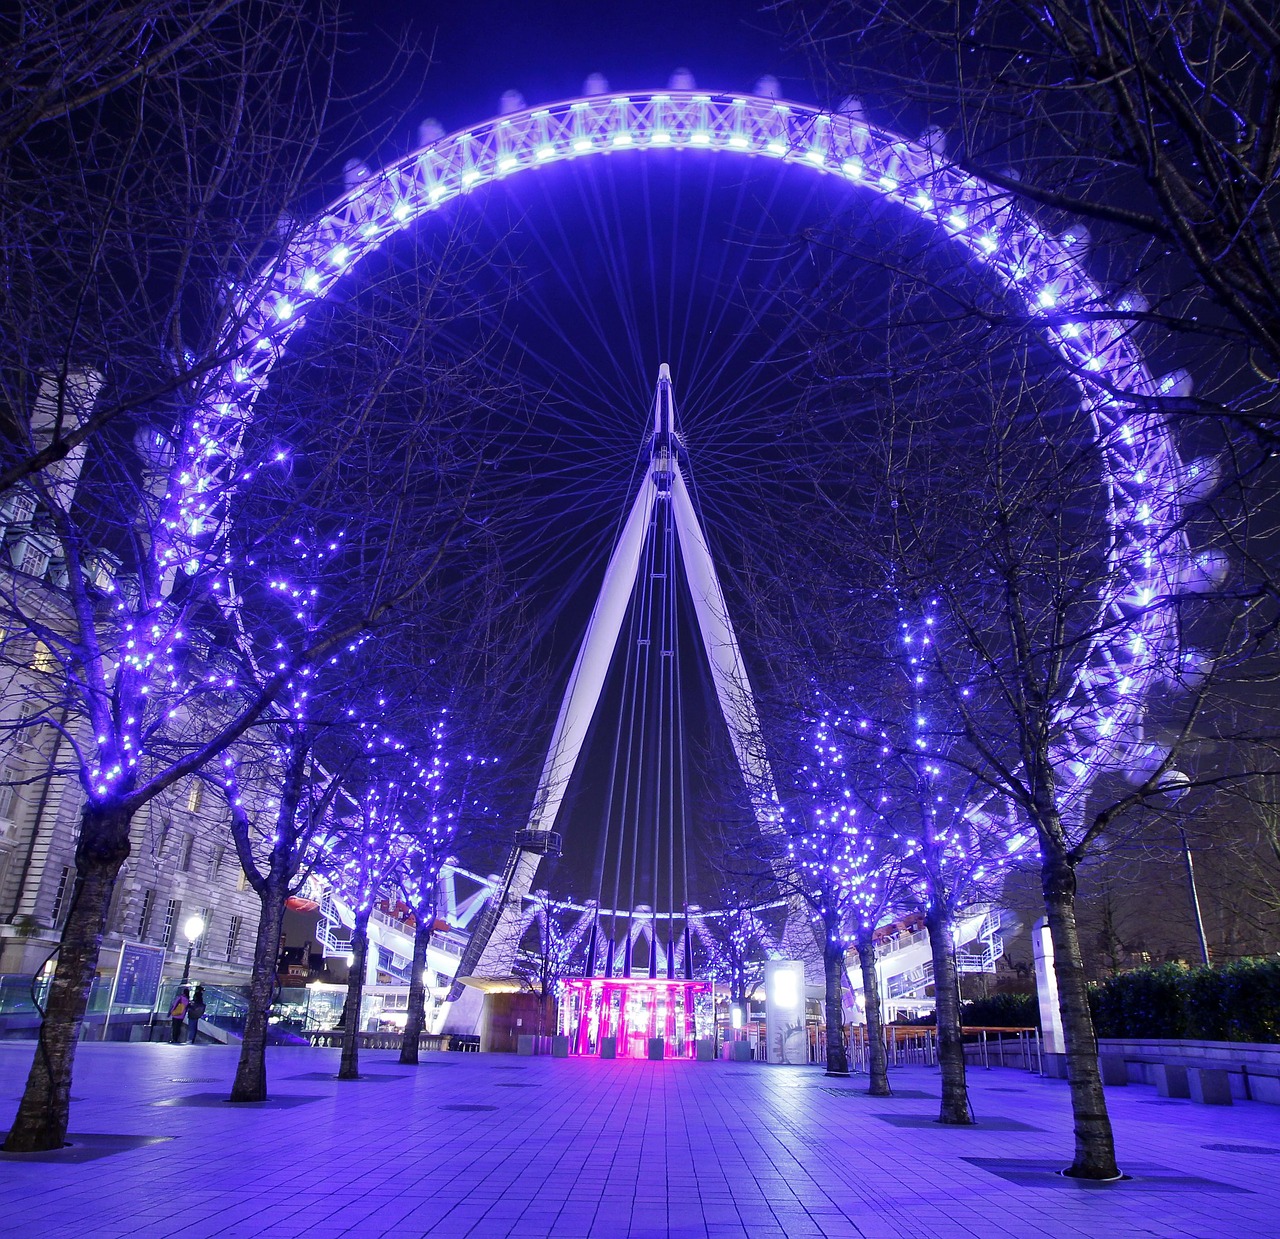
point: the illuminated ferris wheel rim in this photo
(1043, 274)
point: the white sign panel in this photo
(784, 1011)
(1047, 989)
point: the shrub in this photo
(1238, 1002)
(1150, 999)
(1251, 999)
(1003, 1011)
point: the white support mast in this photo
(495, 940)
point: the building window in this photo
(144, 921)
(163, 837)
(19, 509)
(233, 937)
(8, 796)
(42, 659)
(62, 896)
(184, 853)
(27, 730)
(206, 915)
(35, 559)
(215, 865)
(170, 925)
(242, 882)
(195, 796)
(118, 905)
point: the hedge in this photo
(1002, 1011)
(1239, 1001)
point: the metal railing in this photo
(24, 993)
(900, 942)
(916, 1045)
(1009, 1047)
(332, 1038)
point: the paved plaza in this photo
(494, 1145)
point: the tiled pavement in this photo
(496, 1145)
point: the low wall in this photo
(1254, 1068)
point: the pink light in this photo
(632, 1010)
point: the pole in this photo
(115, 985)
(186, 968)
(1195, 899)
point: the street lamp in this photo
(193, 931)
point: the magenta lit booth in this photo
(635, 1010)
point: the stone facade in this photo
(183, 861)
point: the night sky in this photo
(546, 50)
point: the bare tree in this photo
(1023, 587)
(277, 852)
(149, 157)
(735, 945)
(1154, 124)
(545, 961)
(365, 853)
(840, 865)
(69, 56)
(172, 609)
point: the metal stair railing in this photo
(536, 843)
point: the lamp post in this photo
(1195, 900)
(193, 931)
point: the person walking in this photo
(195, 1012)
(178, 1013)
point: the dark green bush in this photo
(1238, 1002)
(1251, 999)
(1003, 1011)
(1206, 1012)
(1150, 999)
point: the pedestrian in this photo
(178, 1013)
(195, 1012)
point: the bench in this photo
(1214, 1082)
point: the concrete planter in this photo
(1252, 1069)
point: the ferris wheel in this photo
(696, 136)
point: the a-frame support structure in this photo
(495, 940)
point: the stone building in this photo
(183, 860)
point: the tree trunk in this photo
(45, 1109)
(833, 965)
(350, 1067)
(251, 1071)
(946, 988)
(1095, 1154)
(877, 1055)
(417, 1018)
